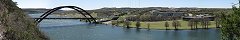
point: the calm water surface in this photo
(76, 30)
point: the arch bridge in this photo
(87, 15)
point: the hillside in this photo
(110, 12)
(16, 25)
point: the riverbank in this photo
(161, 25)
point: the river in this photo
(76, 30)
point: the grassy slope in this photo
(160, 25)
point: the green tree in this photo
(145, 18)
(127, 24)
(207, 23)
(218, 17)
(148, 26)
(217, 21)
(178, 24)
(231, 25)
(203, 24)
(138, 24)
(195, 22)
(175, 24)
(190, 23)
(166, 25)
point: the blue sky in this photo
(96, 4)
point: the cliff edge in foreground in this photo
(16, 25)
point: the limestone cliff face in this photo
(16, 25)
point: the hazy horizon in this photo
(97, 4)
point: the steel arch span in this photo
(80, 10)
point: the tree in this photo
(190, 23)
(127, 23)
(17, 25)
(175, 24)
(230, 24)
(218, 17)
(15, 3)
(195, 22)
(205, 22)
(138, 24)
(178, 24)
(145, 18)
(148, 26)
(166, 25)
(217, 21)
(114, 22)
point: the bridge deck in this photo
(63, 18)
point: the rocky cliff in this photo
(16, 25)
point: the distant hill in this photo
(126, 10)
(107, 12)
(112, 11)
(36, 10)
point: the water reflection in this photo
(76, 30)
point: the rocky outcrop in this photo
(16, 25)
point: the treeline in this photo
(106, 12)
(193, 23)
(153, 18)
(204, 22)
(230, 24)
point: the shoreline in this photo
(167, 29)
(160, 25)
(163, 28)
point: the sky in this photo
(97, 4)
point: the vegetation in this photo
(166, 25)
(205, 22)
(231, 25)
(162, 25)
(138, 24)
(148, 26)
(126, 24)
(176, 24)
(190, 24)
(217, 21)
(152, 16)
(15, 24)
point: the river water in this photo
(76, 30)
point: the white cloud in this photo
(32, 3)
